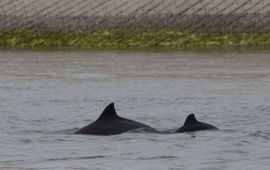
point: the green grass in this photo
(115, 39)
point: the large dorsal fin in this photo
(108, 113)
(190, 119)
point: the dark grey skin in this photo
(191, 125)
(109, 123)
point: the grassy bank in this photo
(114, 39)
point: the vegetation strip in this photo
(115, 39)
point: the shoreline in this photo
(139, 39)
(136, 24)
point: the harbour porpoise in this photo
(191, 124)
(109, 123)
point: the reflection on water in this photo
(45, 96)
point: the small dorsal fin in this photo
(108, 112)
(190, 119)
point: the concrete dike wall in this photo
(85, 15)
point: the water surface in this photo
(46, 96)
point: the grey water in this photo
(46, 96)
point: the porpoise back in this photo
(109, 123)
(191, 124)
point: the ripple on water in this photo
(16, 168)
(76, 158)
(26, 141)
(166, 157)
(260, 134)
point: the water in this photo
(46, 96)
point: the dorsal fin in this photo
(108, 112)
(190, 119)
